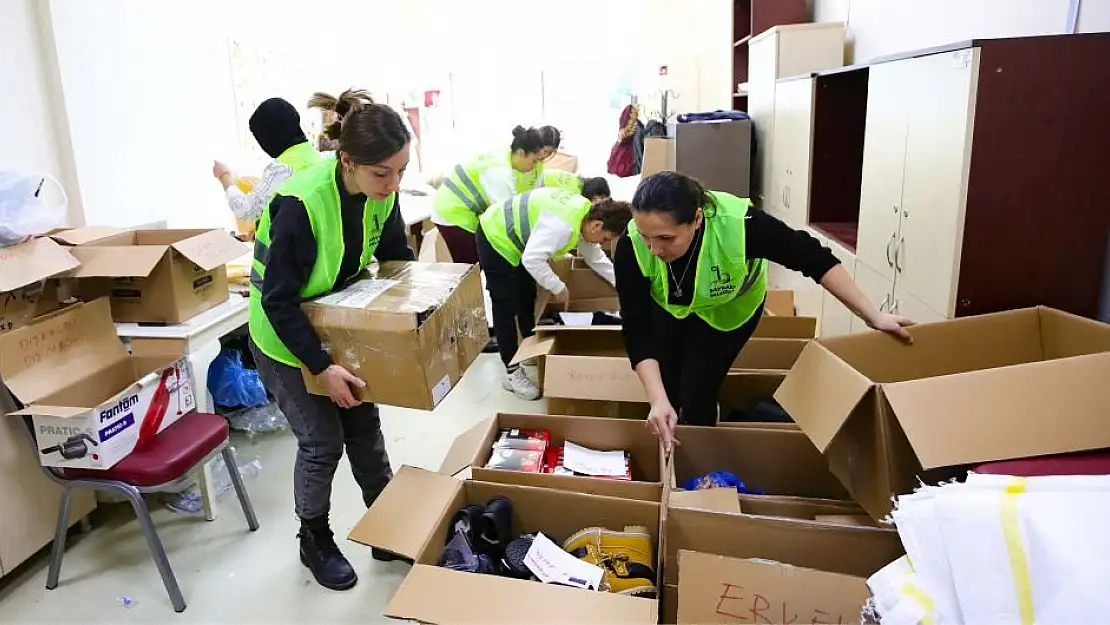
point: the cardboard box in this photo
(412, 516)
(91, 402)
(1014, 384)
(782, 525)
(153, 276)
(410, 331)
(25, 289)
(717, 589)
(659, 155)
(474, 447)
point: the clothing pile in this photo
(766, 410)
(1000, 549)
(719, 479)
(481, 540)
(531, 451)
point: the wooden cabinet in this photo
(792, 151)
(28, 499)
(781, 52)
(981, 179)
(750, 18)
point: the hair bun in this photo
(519, 131)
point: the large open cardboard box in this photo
(473, 449)
(1007, 385)
(25, 289)
(718, 589)
(91, 402)
(412, 516)
(153, 276)
(410, 330)
(802, 520)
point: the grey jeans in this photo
(322, 430)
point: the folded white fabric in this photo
(999, 550)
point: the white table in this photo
(199, 340)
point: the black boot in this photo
(491, 347)
(322, 556)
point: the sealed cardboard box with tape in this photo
(90, 401)
(409, 330)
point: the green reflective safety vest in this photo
(728, 287)
(316, 188)
(300, 157)
(508, 225)
(462, 199)
(560, 179)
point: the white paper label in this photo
(551, 565)
(577, 319)
(359, 294)
(440, 390)
(961, 59)
(591, 462)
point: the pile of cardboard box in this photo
(872, 417)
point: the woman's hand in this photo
(219, 170)
(663, 420)
(562, 297)
(892, 324)
(339, 381)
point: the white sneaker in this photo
(517, 381)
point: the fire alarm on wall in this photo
(662, 70)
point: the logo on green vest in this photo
(721, 284)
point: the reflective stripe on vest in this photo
(520, 215)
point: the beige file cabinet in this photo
(792, 151)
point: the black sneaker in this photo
(322, 556)
(491, 347)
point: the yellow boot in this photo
(627, 558)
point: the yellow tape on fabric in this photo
(1019, 561)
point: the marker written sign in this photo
(716, 589)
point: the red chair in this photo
(164, 464)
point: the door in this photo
(877, 287)
(908, 305)
(794, 142)
(762, 73)
(884, 154)
(836, 319)
(934, 188)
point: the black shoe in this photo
(384, 556)
(491, 347)
(495, 526)
(322, 556)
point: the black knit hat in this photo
(276, 126)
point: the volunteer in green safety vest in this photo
(472, 187)
(516, 241)
(692, 276)
(321, 230)
(276, 126)
(551, 138)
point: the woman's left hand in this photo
(219, 170)
(893, 324)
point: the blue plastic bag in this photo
(719, 479)
(232, 384)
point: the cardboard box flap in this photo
(432, 594)
(1035, 409)
(820, 392)
(112, 261)
(717, 589)
(710, 499)
(211, 249)
(87, 234)
(779, 303)
(407, 512)
(46, 356)
(534, 347)
(31, 262)
(62, 412)
(467, 447)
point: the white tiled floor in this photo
(229, 575)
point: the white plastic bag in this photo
(28, 207)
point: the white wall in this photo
(146, 89)
(32, 138)
(882, 27)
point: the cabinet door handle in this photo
(889, 253)
(784, 196)
(899, 255)
(787, 190)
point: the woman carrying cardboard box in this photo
(692, 277)
(517, 240)
(319, 232)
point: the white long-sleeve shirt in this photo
(551, 234)
(248, 206)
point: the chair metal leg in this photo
(240, 489)
(60, 531)
(156, 549)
